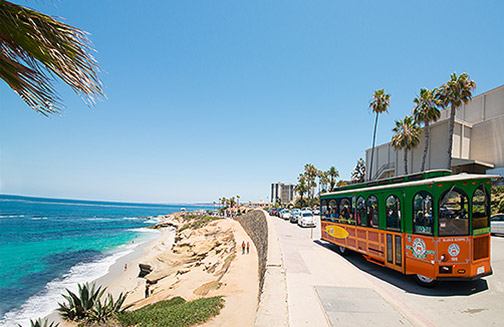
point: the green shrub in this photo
(175, 312)
(40, 323)
(87, 305)
(79, 306)
(500, 207)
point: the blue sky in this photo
(217, 98)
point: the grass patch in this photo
(195, 221)
(173, 313)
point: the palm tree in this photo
(34, 48)
(359, 171)
(323, 180)
(301, 187)
(333, 174)
(453, 93)
(407, 136)
(426, 111)
(380, 103)
(311, 174)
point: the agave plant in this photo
(79, 306)
(40, 323)
(101, 312)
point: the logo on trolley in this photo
(336, 231)
(418, 249)
(453, 250)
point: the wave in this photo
(39, 218)
(101, 219)
(11, 216)
(46, 301)
(143, 230)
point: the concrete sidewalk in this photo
(323, 289)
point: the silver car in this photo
(285, 214)
(295, 214)
(497, 224)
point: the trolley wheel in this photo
(342, 250)
(425, 281)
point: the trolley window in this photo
(372, 211)
(480, 209)
(333, 209)
(360, 211)
(393, 207)
(422, 213)
(453, 213)
(323, 209)
(346, 212)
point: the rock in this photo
(144, 270)
(183, 270)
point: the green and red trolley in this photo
(432, 225)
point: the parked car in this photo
(273, 212)
(497, 224)
(307, 219)
(295, 214)
(307, 209)
(316, 212)
(285, 214)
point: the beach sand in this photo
(236, 280)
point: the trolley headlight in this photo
(442, 257)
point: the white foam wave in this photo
(143, 230)
(11, 216)
(39, 218)
(46, 301)
(100, 219)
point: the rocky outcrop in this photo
(256, 226)
(144, 270)
(207, 247)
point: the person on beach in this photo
(243, 247)
(248, 247)
(147, 286)
(125, 266)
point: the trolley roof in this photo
(431, 177)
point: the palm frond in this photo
(35, 48)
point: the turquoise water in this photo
(47, 245)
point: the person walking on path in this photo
(248, 247)
(147, 286)
(243, 247)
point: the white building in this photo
(284, 192)
(478, 142)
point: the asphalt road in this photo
(350, 291)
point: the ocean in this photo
(47, 245)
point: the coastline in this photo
(205, 261)
(115, 279)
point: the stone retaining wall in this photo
(256, 226)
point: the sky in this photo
(222, 98)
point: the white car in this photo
(285, 214)
(307, 219)
(295, 214)
(497, 224)
(316, 212)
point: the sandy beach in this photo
(201, 262)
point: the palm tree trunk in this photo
(450, 137)
(426, 147)
(405, 161)
(372, 149)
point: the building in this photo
(282, 192)
(258, 205)
(478, 142)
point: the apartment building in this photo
(478, 142)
